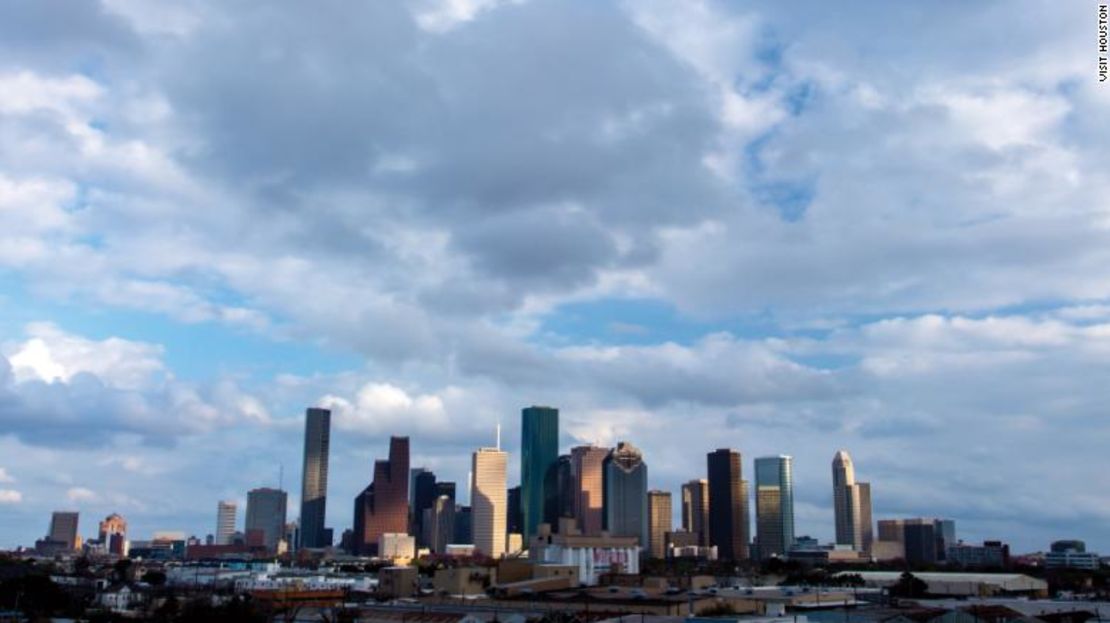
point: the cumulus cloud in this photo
(61, 388)
(80, 494)
(5, 477)
(427, 186)
(10, 496)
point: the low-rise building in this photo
(463, 580)
(963, 584)
(989, 554)
(592, 555)
(398, 581)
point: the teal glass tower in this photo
(774, 505)
(539, 454)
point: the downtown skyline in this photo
(721, 227)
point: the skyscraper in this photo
(63, 528)
(695, 509)
(589, 486)
(852, 504)
(225, 521)
(565, 489)
(423, 496)
(266, 510)
(774, 505)
(383, 507)
(488, 501)
(514, 518)
(113, 534)
(314, 478)
(439, 523)
(625, 493)
(539, 451)
(728, 505)
(659, 522)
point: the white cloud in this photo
(382, 408)
(80, 494)
(10, 496)
(52, 355)
(5, 477)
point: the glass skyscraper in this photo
(774, 505)
(314, 478)
(266, 514)
(539, 451)
(625, 493)
(728, 505)
(383, 507)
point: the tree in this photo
(909, 585)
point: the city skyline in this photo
(718, 226)
(625, 488)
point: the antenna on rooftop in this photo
(281, 476)
(499, 435)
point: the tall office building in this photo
(445, 487)
(314, 478)
(659, 522)
(851, 504)
(266, 509)
(464, 528)
(225, 521)
(439, 524)
(383, 507)
(488, 503)
(539, 451)
(565, 489)
(729, 523)
(624, 487)
(924, 540)
(589, 484)
(514, 519)
(695, 509)
(774, 505)
(63, 529)
(113, 534)
(422, 497)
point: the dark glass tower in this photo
(728, 505)
(625, 476)
(565, 488)
(383, 507)
(539, 451)
(266, 515)
(314, 478)
(514, 518)
(423, 497)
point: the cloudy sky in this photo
(689, 225)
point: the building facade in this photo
(589, 484)
(314, 478)
(539, 452)
(624, 485)
(63, 529)
(514, 519)
(113, 534)
(383, 507)
(851, 504)
(774, 505)
(488, 503)
(659, 522)
(729, 523)
(695, 510)
(226, 511)
(266, 510)
(565, 489)
(422, 497)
